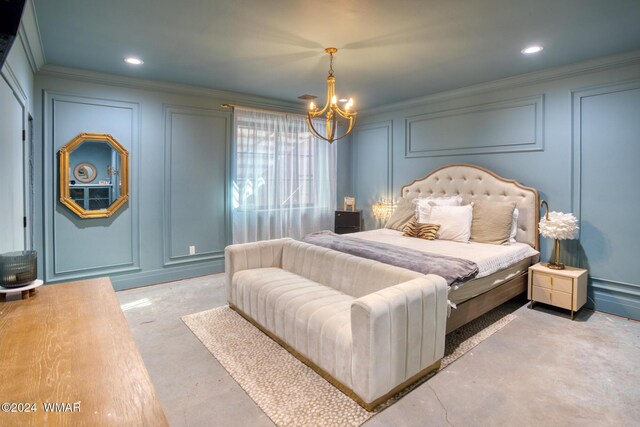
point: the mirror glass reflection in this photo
(94, 171)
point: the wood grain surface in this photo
(71, 343)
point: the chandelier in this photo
(331, 110)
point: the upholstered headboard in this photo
(476, 183)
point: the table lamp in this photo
(383, 209)
(558, 226)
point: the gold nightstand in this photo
(561, 288)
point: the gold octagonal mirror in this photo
(94, 175)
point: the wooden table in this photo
(70, 344)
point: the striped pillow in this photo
(423, 231)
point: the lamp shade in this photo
(558, 225)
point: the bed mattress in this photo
(496, 263)
(476, 287)
(489, 258)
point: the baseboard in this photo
(153, 277)
(614, 297)
(166, 275)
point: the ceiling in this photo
(388, 50)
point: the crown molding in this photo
(29, 35)
(594, 65)
(236, 98)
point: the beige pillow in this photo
(423, 231)
(492, 221)
(404, 212)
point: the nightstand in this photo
(347, 222)
(561, 288)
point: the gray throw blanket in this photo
(454, 270)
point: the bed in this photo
(493, 286)
(370, 326)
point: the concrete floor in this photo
(541, 369)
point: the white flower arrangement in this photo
(561, 226)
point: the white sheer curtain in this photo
(284, 179)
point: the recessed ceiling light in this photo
(133, 60)
(531, 49)
(343, 100)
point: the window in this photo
(284, 179)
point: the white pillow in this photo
(424, 205)
(514, 226)
(455, 222)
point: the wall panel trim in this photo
(388, 126)
(168, 259)
(50, 188)
(610, 295)
(537, 121)
(576, 143)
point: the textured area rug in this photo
(287, 390)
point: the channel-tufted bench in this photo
(368, 327)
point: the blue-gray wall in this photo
(572, 133)
(178, 139)
(343, 178)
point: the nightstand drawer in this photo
(556, 283)
(551, 297)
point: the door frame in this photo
(27, 151)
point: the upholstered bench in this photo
(369, 328)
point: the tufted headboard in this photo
(476, 183)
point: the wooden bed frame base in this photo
(477, 306)
(368, 406)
